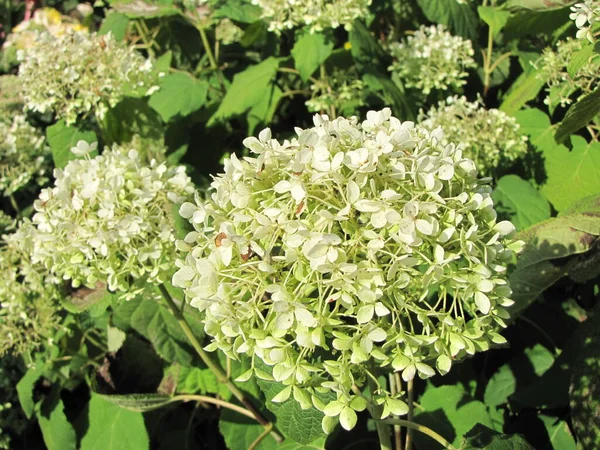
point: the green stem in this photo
(14, 204)
(260, 438)
(214, 368)
(383, 430)
(207, 48)
(410, 392)
(422, 429)
(488, 62)
(214, 401)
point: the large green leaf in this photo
(116, 24)
(138, 402)
(192, 380)
(481, 437)
(114, 428)
(494, 17)
(534, 23)
(579, 115)
(459, 18)
(263, 111)
(238, 10)
(25, 390)
(62, 138)
(523, 203)
(240, 432)
(364, 47)
(180, 94)
(132, 117)
(57, 431)
(559, 434)
(525, 88)
(247, 90)
(309, 52)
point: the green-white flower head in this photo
(28, 295)
(431, 59)
(353, 247)
(78, 73)
(24, 155)
(109, 219)
(342, 90)
(315, 14)
(487, 136)
(561, 85)
(586, 15)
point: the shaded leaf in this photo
(494, 17)
(57, 431)
(238, 10)
(364, 47)
(459, 18)
(481, 437)
(579, 115)
(309, 52)
(62, 138)
(525, 88)
(115, 23)
(25, 390)
(521, 201)
(180, 94)
(559, 433)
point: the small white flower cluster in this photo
(316, 14)
(28, 295)
(431, 59)
(109, 219)
(24, 155)
(348, 251)
(489, 137)
(561, 85)
(586, 15)
(78, 73)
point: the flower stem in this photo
(214, 401)
(411, 394)
(421, 428)
(214, 368)
(207, 48)
(383, 430)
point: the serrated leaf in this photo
(580, 58)
(481, 437)
(240, 432)
(303, 426)
(494, 17)
(179, 95)
(523, 203)
(309, 52)
(62, 138)
(534, 23)
(525, 88)
(247, 90)
(192, 380)
(129, 118)
(115, 23)
(25, 390)
(459, 18)
(138, 402)
(579, 115)
(57, 431)
(559, 433)
(136, 9)
(114, 428)
(238, 10)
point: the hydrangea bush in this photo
(352, 247)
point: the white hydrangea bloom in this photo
(586, 15)
(316, 14)
(109, 219)
(24, 155)
(432, 58)
(487, 136)
(352, 245)
(78, 73)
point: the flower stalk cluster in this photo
(317, 15)
(348, 251)
(77, 74)
(490, 137)
(432, 59)
(109, 219)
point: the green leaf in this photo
(138, 402)
(114, 428)
(537, 5)
(238, 10)
(535, 23)
(303, 426)
(62, 138)
(364, 47)
(504, 382)
(559, 433)
(180, 94)
(580, 58)
(115, 23)
(579, 115)
(263, 111)
(523, 203)
(496, 18)
(192, 380)
(129, 118)
(57, 431)
(525, 88)
(114, 339)
(85, 298)
(481, 437)
(25, 390)
(459, 18)
(585, 389)
(136, 9)
(240, 432)
(390, 93)
(309, 52)
(571, 175)
(247, 90)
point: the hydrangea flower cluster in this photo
(553, 68)
(28, 296)
(586, 15)
(79, 73)
(432, 59)
(343, 91)
(24, 155)
(316, 14)
(109, 219)
(487, 136)
(347, 251)
(228, 32)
